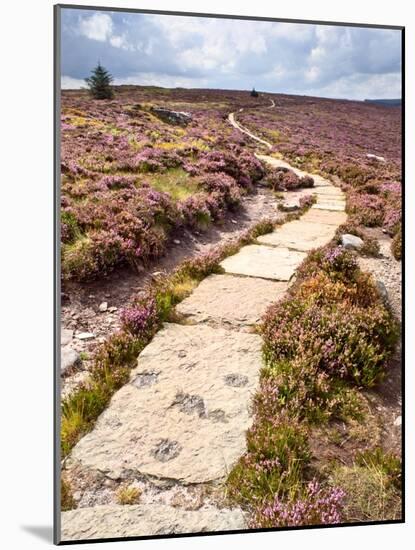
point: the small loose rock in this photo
(351, 242)
(398, 421)
(103, 306)
(70, 359)
(289, 206)
(85, 336)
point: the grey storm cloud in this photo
(330, 61)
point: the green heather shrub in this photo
(301, 389)
(396, 245)
(277, 455)
(70, 230)
(334, 260)
(316, 505)
(344, 340)
(333, 317)
(78, 258)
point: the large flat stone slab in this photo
(325, 217)
(328, 191)
(184, 414)
(323, 203)
(266, 262)
(237, 301)
(300, 235)
(110, 521)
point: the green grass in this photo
(112, 363)
(176, 182)
(67, 500)
(128, 495)
(372, 490)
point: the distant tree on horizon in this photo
(99, 83)
(254, 93)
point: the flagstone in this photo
(266, 262)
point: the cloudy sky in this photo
(197, 52)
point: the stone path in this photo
(182, 418)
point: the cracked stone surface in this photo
(239, 301)
(266, 262)
(190, 424)
(146, 520)
(300, 235)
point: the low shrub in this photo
(70, 230)
(140, 320)
(396, 246)
(339, 263)
(300, 388)
(368, 209)
(284, 179)
(277, 455)
(345, 340)
(316, 506)
(306, 182)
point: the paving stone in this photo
(108, 521)
(325, 217)
(238, 301)
(328, 191)
(170, 428)
(300, 235)
(332, 205)
(267, 262)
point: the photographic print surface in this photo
(230, 229)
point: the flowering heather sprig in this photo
(393, 218)
(117, 182)
(140, 320)
(318, 506)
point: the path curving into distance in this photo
(178, 426)
(238, 126)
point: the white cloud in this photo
(69, 83)
(97, 27)
(223, 53)
(166, 81)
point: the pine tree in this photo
(99, 83)
(254, 93)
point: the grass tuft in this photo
(128, 495)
